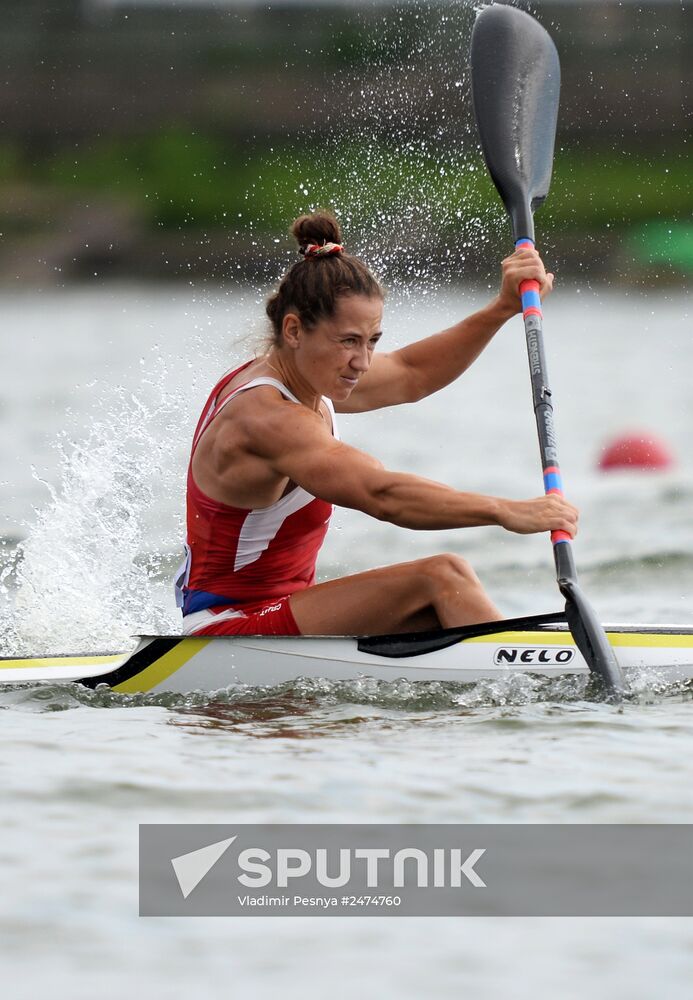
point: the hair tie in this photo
(320, 249)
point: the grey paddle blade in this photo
(591, 641)
(516, 81)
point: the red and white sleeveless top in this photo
(240, 556)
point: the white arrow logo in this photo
(191, 868)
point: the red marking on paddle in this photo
(560, 536)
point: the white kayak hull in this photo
(539, 645)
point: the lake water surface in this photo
(101, 392)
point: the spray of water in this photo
(83, 577)
(395, 155)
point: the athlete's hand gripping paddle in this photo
(515, 89)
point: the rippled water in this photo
(80, 769)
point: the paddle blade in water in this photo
(591, 640)
(516, 80)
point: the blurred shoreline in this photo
(110, 239)
(118, 253)
(173, 141)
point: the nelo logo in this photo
(546, 655)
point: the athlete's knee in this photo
(449, 569)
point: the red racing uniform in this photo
(242, 565)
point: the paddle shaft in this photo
(543, 412)
(588, 633)
(541, 393)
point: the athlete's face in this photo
(338, 351)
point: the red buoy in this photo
(636, 450)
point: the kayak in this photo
(538, 644)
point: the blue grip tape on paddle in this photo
(531, 300)
(553, 481)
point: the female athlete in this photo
(267, 463)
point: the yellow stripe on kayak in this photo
(650, 639)
(642, 639)
(60, 661)
(159, 671)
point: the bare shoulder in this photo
(238, 458)
(264, 422)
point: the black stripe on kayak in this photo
(136, 664)
(418, 643)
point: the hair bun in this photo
(312, 291)
(317, 228)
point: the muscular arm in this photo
(297, 444)
(428, 365)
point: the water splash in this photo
(83, 577)
(399, 155)
(312, 699)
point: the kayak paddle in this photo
(515, 89)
